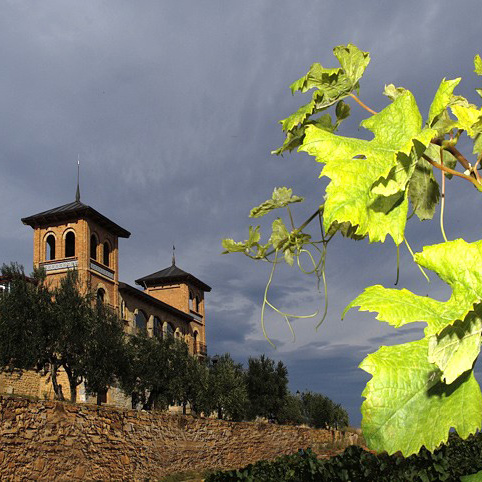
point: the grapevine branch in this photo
(474, 178)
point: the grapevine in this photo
(372, 184)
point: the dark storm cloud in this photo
(173, 108)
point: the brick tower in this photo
(76, 236)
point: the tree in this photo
(25, 314)
(41, 328)
(267, 386)
(227, 388)
(193, 385)
(371, 184)
(105, 359)
(292, 412)
(154, 368)
(321, 412)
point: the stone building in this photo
(76, 236)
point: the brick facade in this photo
(75, 236)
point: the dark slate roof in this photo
(173, 274)
(71, 211)
(125, 288)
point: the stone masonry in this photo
(49, 440)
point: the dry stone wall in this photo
(46, 440)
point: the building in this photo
(76, 236)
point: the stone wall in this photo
(53, 440)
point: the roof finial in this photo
(77, 194)
(173, 255)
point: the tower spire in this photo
(77, 194)
(173, 255)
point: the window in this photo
(167, 330)
(141, 321)
(198, 304)
(100, 296)
(191, 298)
(196, 348)
(123, 310)
(157, 327)
(106, 253)
(70, 244)
(93, 246)
(50, 247)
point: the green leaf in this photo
(455, 349)
(393, 92)
(342, 111)
(406, 396)
(442, 99)
(402, 172)
(331, 84)
(281, 197)
(423, 190)
(457, 263)
(349, 196)
(353, 61)
(294, 137)
(232, 246)
(478, 65)
(280, 235)
(468, 118)
(472, 478)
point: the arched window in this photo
(93, 246)
(100, 296)
(70, 244)
(196, 348)
(157, 327)
(123, 310)
(167, 330)
(106, 253)
(191, 298)
(50, 247)
(141, 321)
(198, 304)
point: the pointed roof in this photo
(173, 274)
(74, 210)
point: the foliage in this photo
(292, 411)
(105, 357)
(42, 327)
(153, 368)
(267, 387)
(25, 314)
(371, 185)
(227, 388)
(321, 412)
(449, 462)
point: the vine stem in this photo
(453, 172)
(413, 256)
(442, 203)
(356, 99)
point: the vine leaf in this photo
(454, 344)
(393, 92)
(457, 346)
(468, 118)
(478, 65)
(282, 196)
(406, 395)
(423, 190)
(442, 99)
(331, 85)
(455, 262)
(354, 165)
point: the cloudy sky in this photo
(173, 109)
